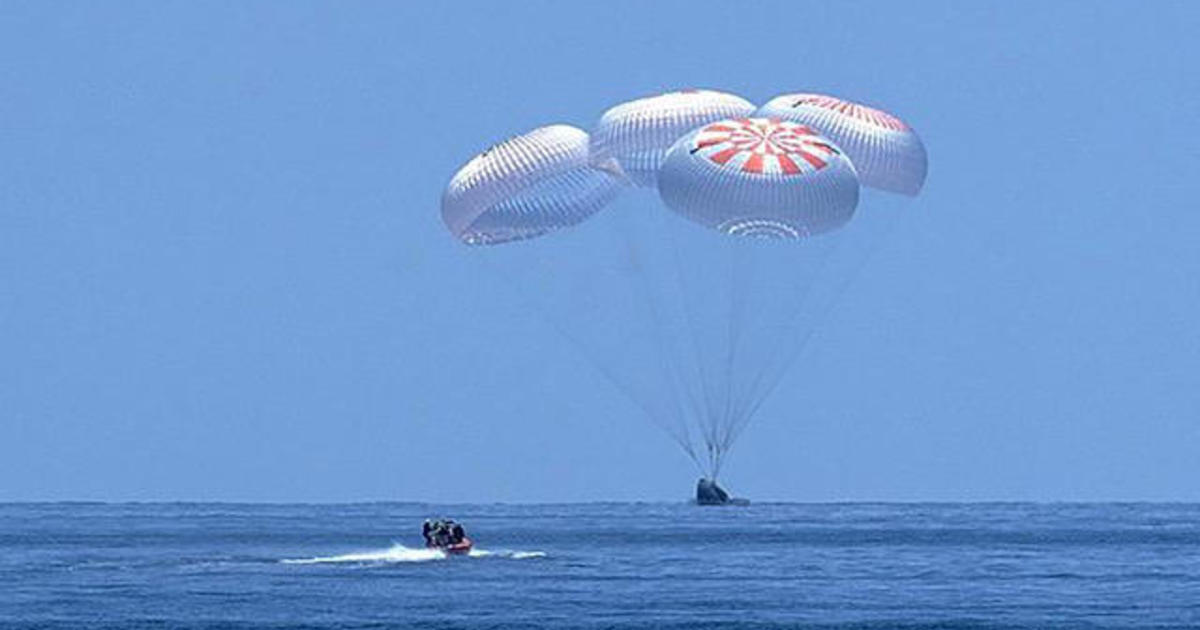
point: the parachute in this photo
(886, 151)
(759, 177)
(638, 134)
(694, 294)
(527, 186)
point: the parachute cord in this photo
(714, 461)
(641, 273)
(664, 356)
(600, 368)
(736, 309)
(691, 337)
(703, 416)
(839, 290)
(763, 374)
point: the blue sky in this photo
(223, 274)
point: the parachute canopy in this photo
(527, 186)
(886, 152)
(639, 133)
(759, 177)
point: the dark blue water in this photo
(601, 566)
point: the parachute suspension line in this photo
(775, 363)
(843, 283)
(667, 365)
(690, 337)
(720, 434)
(604, 370)
(705, 414)
(664, 359)
(777, 378)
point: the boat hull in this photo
(458, 549)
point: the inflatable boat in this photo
(461, 548)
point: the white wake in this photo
(398, 553)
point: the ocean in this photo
(601, 565)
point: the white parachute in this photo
(527, 186)
(638, 134)
(693, 304)
(886, 151)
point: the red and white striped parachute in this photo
(886, 152)
(759, 177)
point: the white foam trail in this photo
(398, 553)
(506, 553)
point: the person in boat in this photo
(442, 533)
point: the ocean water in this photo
(194, 565)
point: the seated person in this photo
(442, 532)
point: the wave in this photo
(507, 553)
(398, 553)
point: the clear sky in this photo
(223, 274)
